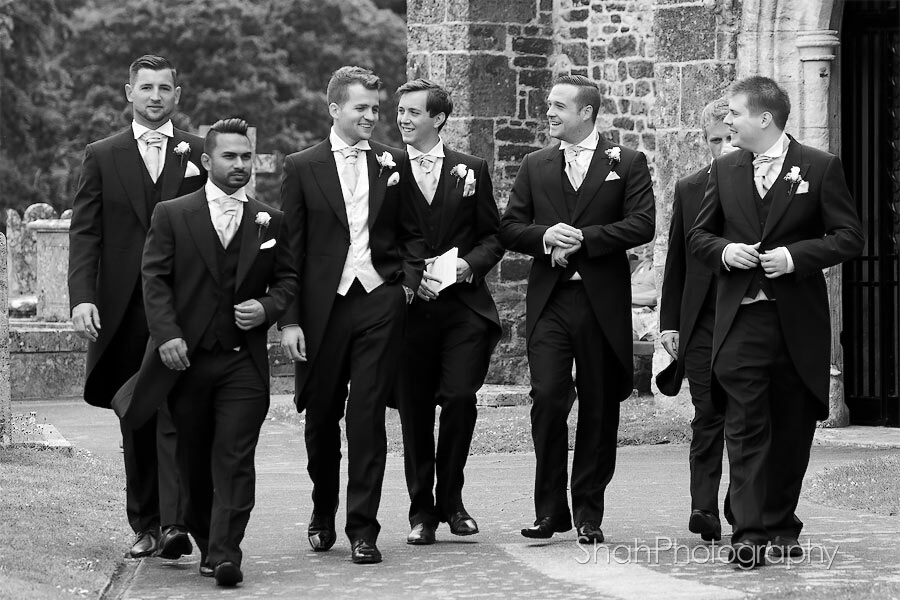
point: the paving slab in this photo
(648, 554)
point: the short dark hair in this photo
(438, 100)
(345, 77)
(232, 125)
(713, 114)
(153, 63)
(764, 95)
(588, 92)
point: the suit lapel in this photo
(742, 186)
(782, 191)
(453, 191)
(324, 169)
(130, 167)
(250, 240)
(200, 225)
(551, 175)
(173, 167)
(596, 175)
(377, 183)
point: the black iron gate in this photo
(870, 138)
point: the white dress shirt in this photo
(214, 193)
(437, 152)
(166, 129)
(358, 264)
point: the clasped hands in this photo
(247, 315)
(563, 241)
(429, 288)
(746, 256)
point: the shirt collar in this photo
(588, 143)
(437, 151)
(214, 192)
(167, 129)
(338, 144)
(778, 148)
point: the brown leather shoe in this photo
(146, 543)
(174, 543)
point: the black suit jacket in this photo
(320, 236)
(613, 216)
(819, 228)
(470, 224)
(180, 276)
(109, 224)
(686, 280)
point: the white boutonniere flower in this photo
(385, 161)
(183, 150)
(262, 220)
(469, 186)
(614, 155)
(459, 171)
(394, 179)
(794, 178)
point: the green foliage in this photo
(267, 61)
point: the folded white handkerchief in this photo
(612, 176)
(394, 179)
(268, 244)
(802, 187)
(191, 170)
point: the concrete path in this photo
(649, 552)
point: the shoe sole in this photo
(180, 546)
(228, 577)
(464, 533)
(419, 542)
(697, 524)
(366, 560)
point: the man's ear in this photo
(334, 110)
(128, 91)
(439, 119)
(765, 119)
(206, 161)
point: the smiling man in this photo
(577, 207)
(123, 178)
(774, 215)
(453, 326)
(357, 247)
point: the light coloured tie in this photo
(154, 141)
(574, 169)
(428, 181)
(227, 222)
(349, 171)
(762, 165)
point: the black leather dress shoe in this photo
(783, 545)
(228, 574)
(545, 527)
(364, 553)
(462, 524)
(146, 543)
(206, 569)
(174, 543)
(747, 555)
(422, 534)
(589, 531)
(706, 524)
(321, 532)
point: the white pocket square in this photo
(268, 244)
(803, 187)
(612, 176)
(394, 179)
(191, 170)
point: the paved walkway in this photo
(648, 554)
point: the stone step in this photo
(504, 395)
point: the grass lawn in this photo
(872, 485)
(61, 531)
(643, 420)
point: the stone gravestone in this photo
(51, 268)
(5, 408)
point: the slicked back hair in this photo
(345, 77)
(588, 92)
(232, 125)
(764, 95)
(713, 114)
(438, 100)
(153, 63)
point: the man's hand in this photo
(86, 321)
(463, 270)
(428, 287)
(741, 256)
(563, 236)
(293, 344)
(774, 263)
(249, 314)
(174, 354)
(670, 343)
(560, 256)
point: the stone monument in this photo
(5, 408)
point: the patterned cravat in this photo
(428, 181)
(227, 222)
(349, 171)
(154, 141)
(762, 177)
(574, 169)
